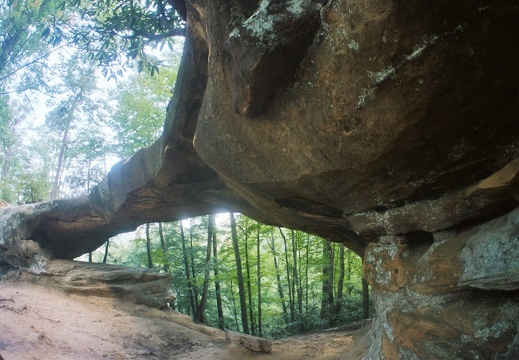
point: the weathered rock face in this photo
(453, 297)
(400, 124)
(379, 132)
(142, 286)
(390, 127)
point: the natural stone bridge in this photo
(389, 126)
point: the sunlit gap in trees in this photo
(259, 279)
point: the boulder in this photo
(141, 286)
(250, 342)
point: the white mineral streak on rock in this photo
(494, 240)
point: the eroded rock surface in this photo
(250, 342)
(455, 295)
(141, 286)
(393, 130)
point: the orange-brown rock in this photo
(458, 295)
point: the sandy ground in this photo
(45, 323)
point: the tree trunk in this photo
(235, 312)
(6, 166)
(348, 276)
(148, 246)
(193, 272)
(89, 175)
(290, 285)
(307, 260)
(199, 317)
(63, 147)
(258, 277)
(327, 289)
(219, 306)
(165, 259)
(105, 257)
(278, 277)
(61, 157)
(192, 307)
(340, 281)
(241, 286)
(297, 283)
(331, 277)
(247, 273)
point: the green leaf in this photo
(45, 33)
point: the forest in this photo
(232, 272)
(85, 85)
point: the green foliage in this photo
(75, 126)
(76, 145)
(140, 110)
(275, 323)
(114, 31)
(23, 175)
(24, 24)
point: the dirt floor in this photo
(45, 323)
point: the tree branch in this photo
(32, 62)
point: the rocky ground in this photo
(38, 322)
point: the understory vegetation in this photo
(231, 272)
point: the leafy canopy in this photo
(116, 33)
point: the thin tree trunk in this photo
(165, 259)
(233, 300)
(278, 277)
(331, 277)
(148, 246)
(63, 147)
(219, 306)
(297, 283)
(90, 257)
(241, 286)
(327, 289)
(61, 157)
(258, 272)
(7, 162)
(201, 306)
(106, 251)
(247, 272)
(193, 272)
(348, 276)
(306, 276)
(290, 285)
(340, 285)
(186, 269)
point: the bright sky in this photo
(38, 101)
